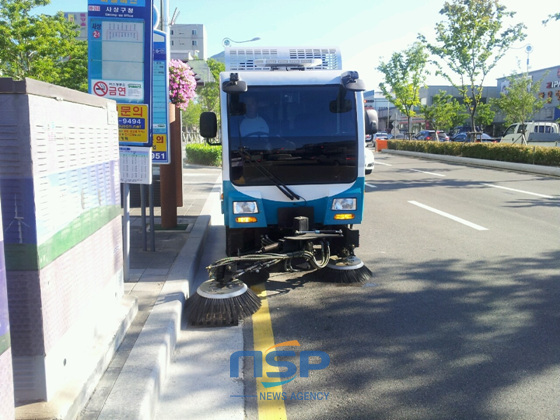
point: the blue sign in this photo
(160, 144)
(120, 40)
(132, 123)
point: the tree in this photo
(444, 113)
(554, 16)
(520, 101)
(471, 42)
(484, 115)
(208, 99)
(209, 94)
(42, 47)
(405, 73)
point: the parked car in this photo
(463, 129)
(369, 161)
(381, 135)
(480, 137)
(443, 136)
(537, 133)
(431, 135)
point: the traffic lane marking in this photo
(263, 339)
(370, 185)
(449, 216)
(519, 191)
(425, 172)
(382, 163)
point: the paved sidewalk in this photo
(160, 281)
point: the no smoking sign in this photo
(100, 88)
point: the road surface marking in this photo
(449, 216)
(263, 340)
(381, 163)
(371, 185)
(519, 191)
(424, 172)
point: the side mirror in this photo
(371, 120)
(209, 126)
(234, 84)
(351, 81)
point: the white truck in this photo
(293, 129)
(533, 133)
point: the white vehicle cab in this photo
(307, 149)
(533, 133)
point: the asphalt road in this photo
(461, 317)
(459, 321)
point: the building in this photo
(80, 19)
(390, 119)
(549, 80)
(187, 41)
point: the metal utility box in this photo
(6, 375)
(59, 184)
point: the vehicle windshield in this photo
(293, 135)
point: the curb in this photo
(521, 167)
(138, 387)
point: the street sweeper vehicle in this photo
(293, 128)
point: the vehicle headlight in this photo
(244, 207)
(344, 204)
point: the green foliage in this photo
(204, 154)
(543, 156)
(216, 67)
(537, 155)
(208, 97)
(444, 113)
(209, 94)
(40, 46)
(470, 42)
(520, 101)
(484, 115)
(405, 73)
(191, 115)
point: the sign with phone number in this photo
(133, 127)
(159, 149)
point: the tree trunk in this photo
(169, 181)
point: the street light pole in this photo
(226, 42)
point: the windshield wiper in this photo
(277, 182)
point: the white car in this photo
(369, 159)
(380, 135)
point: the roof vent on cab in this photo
(267, 59)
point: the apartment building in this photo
(187, 41)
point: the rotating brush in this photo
(216, 304)
(348, 270)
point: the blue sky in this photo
(365, 30)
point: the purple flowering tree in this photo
(182, 84)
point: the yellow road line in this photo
(263, 338)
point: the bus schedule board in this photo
(120, 53)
